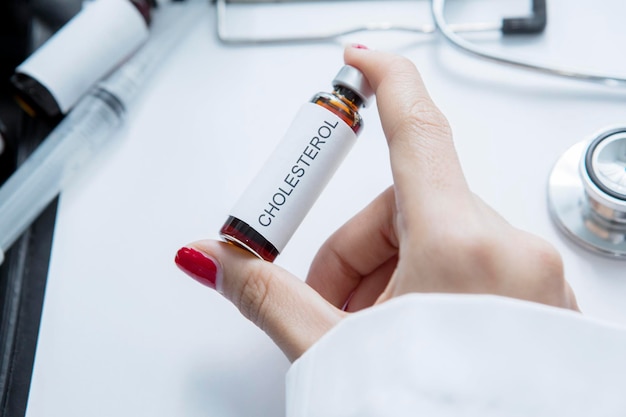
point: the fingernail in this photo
(198, 266)
(359, 46)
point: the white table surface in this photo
(124, 333)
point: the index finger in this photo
(424, 163)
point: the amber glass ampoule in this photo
(344, 103)
(321, 135)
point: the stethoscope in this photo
(587, 193)
(587, 187)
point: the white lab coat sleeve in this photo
(462, 355)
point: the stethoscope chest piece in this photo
(587, 193)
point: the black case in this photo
(24, 271)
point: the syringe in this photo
(87, 128)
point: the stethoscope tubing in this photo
(449, 31)
(437, 8)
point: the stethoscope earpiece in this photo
(587, 193)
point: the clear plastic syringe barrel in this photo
(87, 127)
(65, 150)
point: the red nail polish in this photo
(197, 265)
(359, 46)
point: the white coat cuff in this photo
(462, 355)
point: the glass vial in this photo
(104, 33)
(278, 199)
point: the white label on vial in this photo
(92, 43)
(294, 176)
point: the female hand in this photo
(426, 233)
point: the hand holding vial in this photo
(426, 233)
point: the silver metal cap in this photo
(354, 79)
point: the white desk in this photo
(124, 333)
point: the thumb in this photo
(293, 314)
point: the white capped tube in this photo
(89, 46)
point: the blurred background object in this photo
(24, 25)
(92, 43)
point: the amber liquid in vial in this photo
(344, 103)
